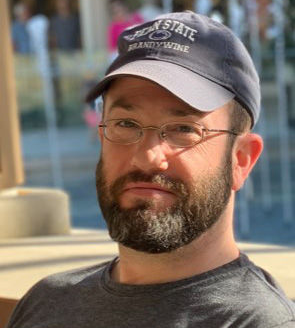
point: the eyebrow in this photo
(185, 111)
(123, 103)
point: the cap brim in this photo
(193, 89)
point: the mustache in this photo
(176, 186)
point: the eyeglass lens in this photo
(177, 133)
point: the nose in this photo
(151, 153)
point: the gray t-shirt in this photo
(238, 294)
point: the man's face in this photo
(63, 6)
(155, 197)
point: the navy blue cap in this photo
(194, 57)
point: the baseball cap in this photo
(194, 57)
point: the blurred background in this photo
(62, 47)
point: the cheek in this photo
(115, 159)
(198, 161)
(188, 166)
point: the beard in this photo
(198, 207)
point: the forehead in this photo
(137, 93)
(134, 86)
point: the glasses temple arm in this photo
(226, 131)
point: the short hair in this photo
(240, 120)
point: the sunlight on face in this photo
(156, 198)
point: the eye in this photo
(185, 129)
(182, 128)
(126, 124)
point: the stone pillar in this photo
(11, 166)
(26, 212)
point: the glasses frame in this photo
(205, 131)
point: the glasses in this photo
(177, 134)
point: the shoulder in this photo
(53, 292)
(254, 293)
(70, 278)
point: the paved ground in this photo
(34, 258)
(79, 156)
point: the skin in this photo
(150, 104)
(63, 7)
(119, 11)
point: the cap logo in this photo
(158, 32)
(164, 25)
(160, 35)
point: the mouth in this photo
(147, 190)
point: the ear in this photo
(246, 152)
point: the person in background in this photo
(121, 19)
(203, 7)
(64, 30)
(212, 8)
(20, 35)
(150, 10)
(236, 17)
(91, 114)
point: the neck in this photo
(213, 249)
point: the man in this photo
(179, 103)
(19, 34)
(64, 31)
